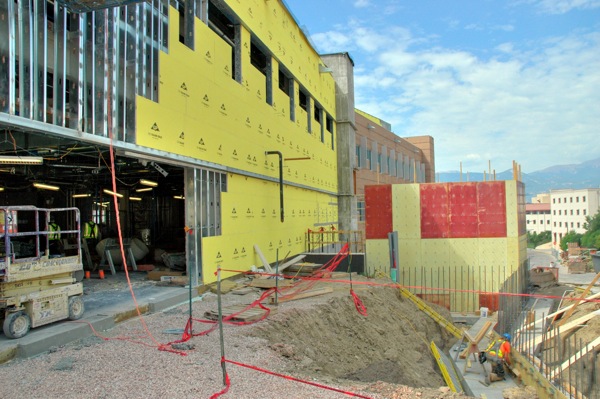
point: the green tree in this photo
(534, 240)
(591, 238)
(571, 236)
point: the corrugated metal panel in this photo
(434, 211)
(378, 210)
(463, 210)
(491, 198)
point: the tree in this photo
(571, 236)
(591, 238)
(534, 240)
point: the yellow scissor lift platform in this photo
(40, 283)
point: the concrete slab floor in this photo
(106, 300)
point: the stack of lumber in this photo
(303, 269)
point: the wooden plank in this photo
(588, 348)
(155, 275)
(581, 297)
(263, 259)
(291, 262)
(305, 266)
(552, 315)
(302, 295)
(269, 283)
(569, 326)
(473, 345)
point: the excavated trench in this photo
(330, 337)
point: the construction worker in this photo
(55, 246)
(91, 232)
(498, 353)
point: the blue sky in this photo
(491, 81)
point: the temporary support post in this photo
(280, 180)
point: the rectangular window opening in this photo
(258, 58)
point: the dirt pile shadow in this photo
(331, 338)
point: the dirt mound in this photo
(331, 338)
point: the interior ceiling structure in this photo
(74, 165)
(94, 5)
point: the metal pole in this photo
(280, 181)
(222, 341)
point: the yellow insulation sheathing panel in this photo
(378, 257)
(272, 24)
(435, 253)
(409, 253)
(406, 214)
(493, 262)
(516, 252)
(203, 113)
(512, 217)
(250, 202)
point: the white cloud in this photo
(362, 3)
(534, 107)
(564, 6)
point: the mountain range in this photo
(576, 176)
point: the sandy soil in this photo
(322, 339)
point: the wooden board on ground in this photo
(226, 286)
(304, 267)
(302, 295)
(155, 275)
(252, 314)
(270, 283)
(342, 274)
(291, 262)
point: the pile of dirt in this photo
(331, 338)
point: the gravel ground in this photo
(125, 363)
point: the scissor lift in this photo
(39, 282)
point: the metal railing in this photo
(331, 240)
(567, 356)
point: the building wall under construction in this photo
(203, 112)
(219, 88)
(459, 244)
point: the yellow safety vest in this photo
(493, 350)
(90, 230)
(54, 231)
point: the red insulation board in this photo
(378, 211)
(491, 199)
(435, 221)
(463, 210)
(490, 301)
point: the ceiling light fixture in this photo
(135, 199)
(149, 183)
(46, 186)
(1, 188)
(16, 160)
(141, 190)
(81, 195)
(107, 191)
(178, 197)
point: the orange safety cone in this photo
(87, 275)
(101, 274)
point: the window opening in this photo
(258, 59)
